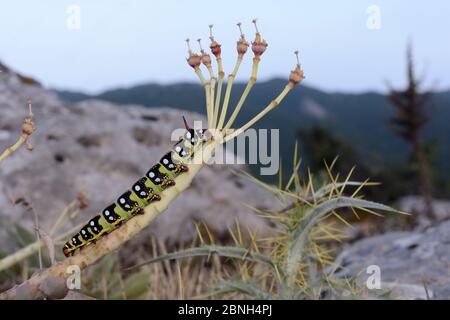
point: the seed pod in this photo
(82, 200)
(206, 59)
(259, 45)
(242, 44)
(214, 46)
(28, 127)
(194, 60)
(297, 74)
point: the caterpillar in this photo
(144, 191)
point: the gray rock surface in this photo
(415, 204)
(101, 149)
(410, 260)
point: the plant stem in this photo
(226, 100)
(270, 107)
(13, 148)
(249, 86)
(219, 92)
(213, 81)
(206, 85)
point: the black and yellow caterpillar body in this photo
(146, 190)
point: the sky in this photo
(348, 46)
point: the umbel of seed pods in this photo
(217, 112)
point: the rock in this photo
(101, 149)
(54, 287)
(416, 264)
(74, 295)
(415, 204)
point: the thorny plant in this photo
(222, 132)
(296, 261)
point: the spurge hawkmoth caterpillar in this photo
(145, 190)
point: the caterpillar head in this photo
(195, 137)
(66, 249)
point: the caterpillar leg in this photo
(156, 197)
(118, 223)
(168, 183)
(181, 168)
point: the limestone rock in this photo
(419, 261)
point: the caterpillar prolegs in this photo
(146, 190)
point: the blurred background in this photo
(376, 94)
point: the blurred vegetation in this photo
(412, 115)
(398, 179)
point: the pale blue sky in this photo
(126, 42)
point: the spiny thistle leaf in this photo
(223, 251)
(313, 215)
(325, 190)
(247, 288)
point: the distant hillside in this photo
(360, 119)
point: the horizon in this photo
(238, 82)
(127, 43)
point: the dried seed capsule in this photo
(214, 46)
(206, 59)
(193, 60)
(297, 74)
(242, 44)
(259, 45)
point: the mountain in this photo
(360, 119)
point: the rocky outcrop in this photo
(101, 149)
(415, 264)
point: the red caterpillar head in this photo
(66, 250)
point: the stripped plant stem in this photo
(206, 60)
(28, 128)
(241, 101)
(215, 49)
(269, 108)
